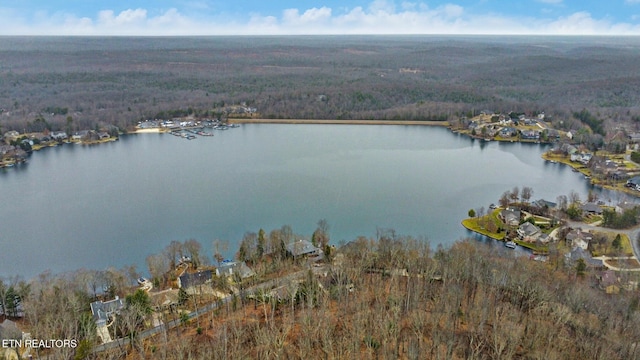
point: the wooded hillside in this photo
(84, 83)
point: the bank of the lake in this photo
(114, 204)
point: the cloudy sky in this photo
(276, 17)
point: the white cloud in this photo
(309, 17)
(380, 17)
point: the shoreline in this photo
(337, 122)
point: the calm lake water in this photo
(77, 206)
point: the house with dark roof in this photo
(508, 131)
(591, 209)
(634, 183)
(194, 279)
(542, 203)
(303, 248)
(579, 253)
(510, 216)
(530, 134)
(528, 232)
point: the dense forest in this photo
(77, 83)
(392, 297)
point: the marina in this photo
(190, 133)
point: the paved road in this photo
(171, 324)
(632, 233)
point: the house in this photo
(103, 135)
(229, 268)
(528, 232)
(578, 238)
(508, 132)
(6, 149)
(58, 135)
(608, 281)
(530, 134)
(103, 311)
(544, 204)
(544, 238)
(303, 248)
(634, 183)
(591, 209)
(553, 134)
(194, 279)
(582, 158)
(634, 137)
(579, 253)
(626, 205)
(510, 216)
(79, 135)
(11, 135)
(165, 299)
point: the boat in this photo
(510, 244)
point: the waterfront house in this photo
(58, 135)
(508, 132)
(634, 183)
(229, 268)
(544, 204)
(80, 135)
(528, 232)
(582, 158)
(530, 135)
(103, 135)
(510, 216)
(195, 279)
(591, 209)
(303, 248)
(625, 205)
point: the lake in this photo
(113, 204)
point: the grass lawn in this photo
(624, 263)
(607, 247)
(474, 224)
